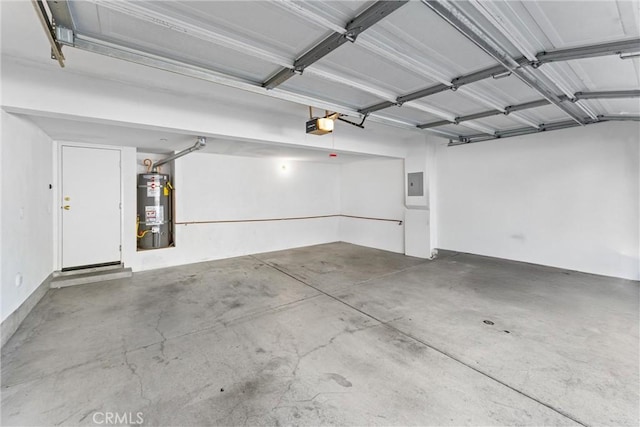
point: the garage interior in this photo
(320, 213)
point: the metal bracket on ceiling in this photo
(460, 141)
(501, 75)
(49, 28)
(64, 35)
(352, 35)
(359, 125)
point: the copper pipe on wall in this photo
(228, 221)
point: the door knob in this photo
(66, 207)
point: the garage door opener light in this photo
(320, 125)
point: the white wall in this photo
(567, 199)
(373, 188)
(419, 225)
(212, 187)
(225, 113)
(26, 204)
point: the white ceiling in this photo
(411, 49)
(154, 141)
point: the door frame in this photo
(57, 208)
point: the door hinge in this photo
(120, 205)
(120, 248)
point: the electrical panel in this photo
(415, 186)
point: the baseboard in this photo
(10, 324)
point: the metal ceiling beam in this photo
(614, 94)
(485, 73)
(608, 94)
(559, 55)
(376, 46)
(91, 45)
(543, 57)
(439, 123)
(377, 107)
(611, 48)
(221, 38)
(60, 10)
(618, 118)
(528, 105)
(504, 26)
(217, 37)
(406, 98)
(476, 116)
(61, 13)
(432, 90)
(460, 22)
(515, 132)
(357, 25)
(462, 140)
(310, 11)
(423, 93)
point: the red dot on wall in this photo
(333, 155)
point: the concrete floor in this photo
(331, 334)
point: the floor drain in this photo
(488, 322)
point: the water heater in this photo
(154, 211)
(155, 202)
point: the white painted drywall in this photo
(419, 224)
(567, 199)
(26, 205)
(213, 187)
(224, 112)
(417, 233)
(416, 161)
(373, 188)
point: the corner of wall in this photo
(27, 208)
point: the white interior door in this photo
(90, 206)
